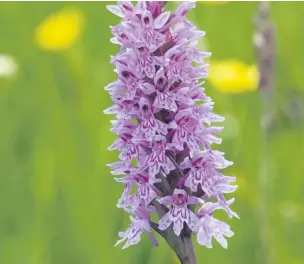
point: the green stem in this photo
(264, 179)
(265, 49)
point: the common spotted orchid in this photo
(164, 123)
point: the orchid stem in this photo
(264, 41)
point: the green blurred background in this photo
(57, 197)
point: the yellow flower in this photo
(233, 76)
(59, 31)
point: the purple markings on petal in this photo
(144, 193)
(149, 126)
(179, 214)
(132, 235)
(158, 159)
(209, 227)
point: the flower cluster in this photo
(164, 126)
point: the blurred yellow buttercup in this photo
(59, 31)
(233, 76)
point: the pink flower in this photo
(124, 9)
(145, 191)
(209, 227)
(158, 159)
(139, 225)
(167, 95)
(151, 37)
(141, 60)
(180, 213)
(164, 124)
(203, 172)
(149, 126)
(184, 135)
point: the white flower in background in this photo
(8, 66)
